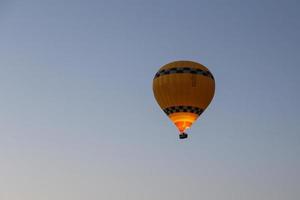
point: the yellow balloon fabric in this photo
(183, 89)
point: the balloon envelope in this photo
(183, 89)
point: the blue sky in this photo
(78, 118)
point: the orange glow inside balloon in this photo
(183, 120)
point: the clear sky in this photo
(78, 119)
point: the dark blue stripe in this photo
(179, 70)
(190, 109)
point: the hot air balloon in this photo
(183, 90)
